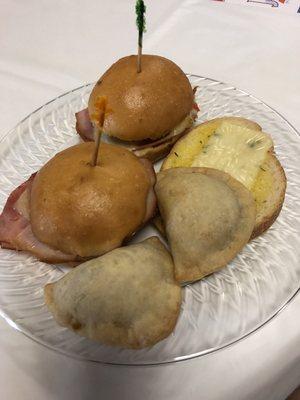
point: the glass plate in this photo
(218, 310)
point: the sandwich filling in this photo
(15, 227)
(84, 128)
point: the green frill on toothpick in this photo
(140, 10)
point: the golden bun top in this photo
(145, 105)
(85, 210)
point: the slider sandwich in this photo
(152, 108)
(72, 211)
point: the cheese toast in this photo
(269, 185)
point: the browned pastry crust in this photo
(127, 298)
(208, 217)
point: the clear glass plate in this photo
(218, 310)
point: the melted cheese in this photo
(187, 122)
(237, 150)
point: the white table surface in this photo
(49, 47)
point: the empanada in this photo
(127, 298)
(208, 217)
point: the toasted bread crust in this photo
(276, 198)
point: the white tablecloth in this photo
(49, 47)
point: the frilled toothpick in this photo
(140, 10)
(98, 118)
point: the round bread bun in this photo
(85, 210)
(145, 105)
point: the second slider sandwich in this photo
(152, 108)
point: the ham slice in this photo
(16, 232)
(84, 126)
(11, 221)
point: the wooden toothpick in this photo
(140, 10)
(98, 121)
(97, 136)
